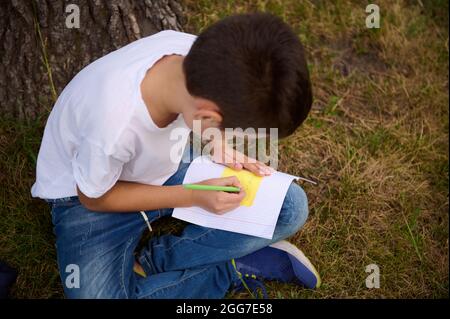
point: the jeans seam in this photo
(179, 282)
(124, 259)
(186, 238)
(150, 265)
(85, 238)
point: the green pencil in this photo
(212, 188)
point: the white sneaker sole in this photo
(297, 253)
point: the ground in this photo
(376, 140)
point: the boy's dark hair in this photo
(253, 67)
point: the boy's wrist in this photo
(190, 197)
(185, 197)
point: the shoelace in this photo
(250, 282)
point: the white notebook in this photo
(258, 213)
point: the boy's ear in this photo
(208, 113)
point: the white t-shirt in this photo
(100, 130)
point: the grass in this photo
(376, 140)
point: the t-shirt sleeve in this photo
(96, 170)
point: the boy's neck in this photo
(164, 91)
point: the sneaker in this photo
(282, 262)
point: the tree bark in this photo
(40, 54)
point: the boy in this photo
(105, 156)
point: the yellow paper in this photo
(249, 181)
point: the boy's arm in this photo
(132, 197)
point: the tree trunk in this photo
(40, 54)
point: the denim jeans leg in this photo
(95, 251)
(212, 281)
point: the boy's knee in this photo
(294, 211)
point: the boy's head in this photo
(249, 71)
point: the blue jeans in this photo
(100, 248)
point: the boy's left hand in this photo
(237, 161)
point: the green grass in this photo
(376, 140)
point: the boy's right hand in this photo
(216, 201)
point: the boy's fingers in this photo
(237, 166)
(241, 195)
(230, 161)
(237, 183)
(259, 169)
(266, 169)
(255, 169)
(225, 181)
(234, 199)
(232, 181)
